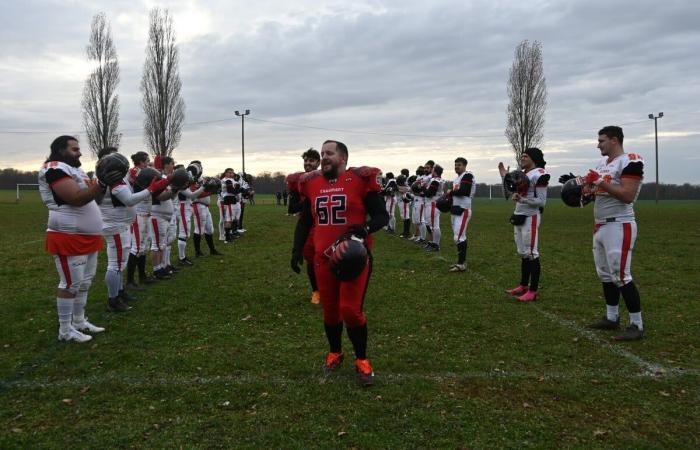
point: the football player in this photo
(336, 202)
(73, 235)
(390, 190)
(529, 205)
(417, 204)
(203, 224)
(229, 197)
(140, 228)
(312, 159)
(117, 209)
(432, 191)
(616, 182)
(463, 189)
(161, 215)
(185, 198)
(403, 199)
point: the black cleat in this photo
(117, 305)
(605, 324)
(631, 333)
(186, 262)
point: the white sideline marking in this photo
(31, 242)
(342, 376)
(650, 369)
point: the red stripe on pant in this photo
(421, 214)
(195, 210)
(432, 214)
(118, 243)
(626, 242)
(184, 218)
(533, 234)
(463, 225)
(137, 234)
(66, 270)
(154, 221)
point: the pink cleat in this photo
(518, 290)
(529, 296)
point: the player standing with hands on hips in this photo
(337, 201)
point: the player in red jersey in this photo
(336, 202)
(312, 159)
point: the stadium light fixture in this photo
(656, 141)
(242, 116)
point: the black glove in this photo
(564, 178)
(359, 230)
(296, 262)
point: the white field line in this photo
(31, 242)
(342, 376)
(649, 368)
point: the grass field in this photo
(228, 353)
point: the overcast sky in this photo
(399, 82)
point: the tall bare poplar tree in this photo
(100, 102)
(160, 85)
(527, 91)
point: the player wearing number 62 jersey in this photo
(337, 201)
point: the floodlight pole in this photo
(242, 116)
(656, 141)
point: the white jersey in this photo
(244, 187)
(463, 190)
(436, 184)
(63, 217)
(424, 183)
(163, 209)
(536, 196)
(117, 207)
(230, 189)
(608, 208)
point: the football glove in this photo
(296, 261)
(358, 230)
(593, 178)
(564, 178)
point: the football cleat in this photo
(148, 280)
(605, 324)
(316, 297)
(161, 274)
(631, 333)
(458, 268)
(432, 247)
(242, 230)
(529, 296)
(117, 305)
(125, 296)
(365, 374)
(333, 362)
(186, 262)
(171, 269)
(518, 290)
(74, 335)
(87, 326)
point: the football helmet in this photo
(348, 257)
(111, 168)
(180, 179)
(572, 193)
(195, 168)
(444, 203)
(144, 178)
(212, 184)
(516, 182)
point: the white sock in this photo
(113, 280)
(181, 246)
(613, 312)
(64, 306)
(79, 307)
(636, 318)
(166, 256)
(436, 236)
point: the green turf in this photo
(228, 353)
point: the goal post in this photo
(20, 187)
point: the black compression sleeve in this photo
(378, 217)
(303, 226)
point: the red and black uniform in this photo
(295, 206)
(333, 208)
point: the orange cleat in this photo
(333, 362)
(365, 374)
(315, 297)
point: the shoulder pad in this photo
(543, 180)
(635, 157)
(366, 171)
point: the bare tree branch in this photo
(162, 103)
(100, 103)
(527, 91)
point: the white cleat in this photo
(241, 230)
(458, 268)
(87, 326)
(74, 335)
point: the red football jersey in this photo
(337, 204)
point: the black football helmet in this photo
(111, 168)
(444, 203)
(144, 178)
(195, 168)
(348, 257)
(212, 185)
(516, 181)
(180, 179)
(572, 193)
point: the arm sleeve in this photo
(378, 217)
(54, 175)
(124, 194)
(465, 186)
(539, 200)
(294, 203)
(304, 224)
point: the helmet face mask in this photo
(195, 169)
(348, 257)
(516, 182)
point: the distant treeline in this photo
(269, 183)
